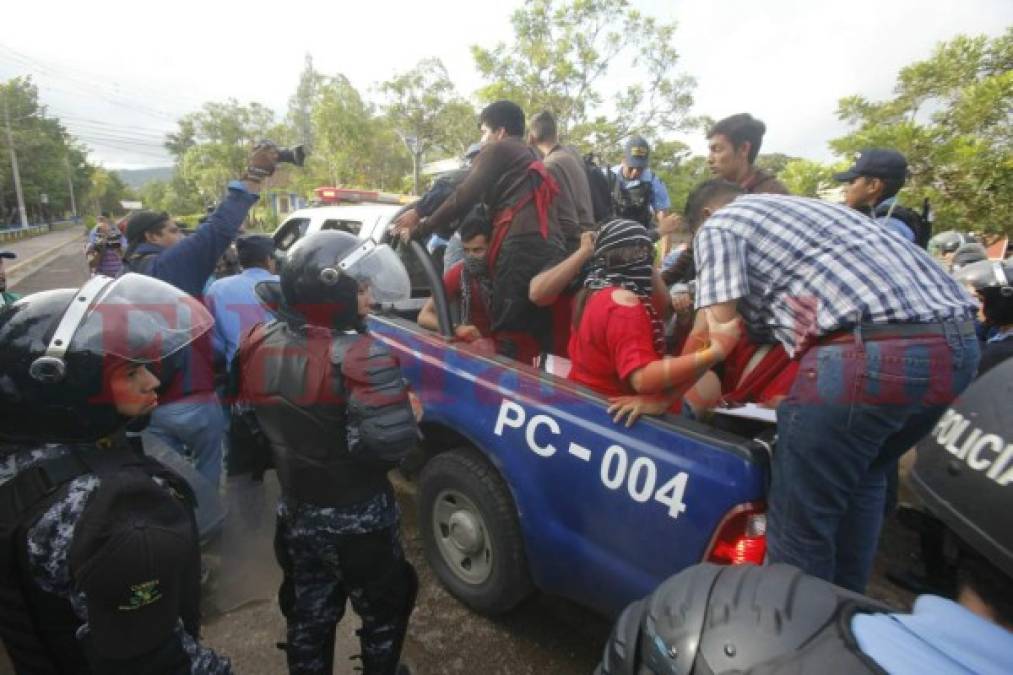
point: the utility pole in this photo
(14, 166)
(70, 184)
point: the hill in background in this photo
(136, 178)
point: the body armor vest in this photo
(39, 628)
(293, 380)
(632, 203)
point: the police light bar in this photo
(336, 195)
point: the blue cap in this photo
(876, 163)
(637, 152)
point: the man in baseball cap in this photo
(5, 297)
(873, 183)
(637, 193)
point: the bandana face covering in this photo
(476, 270)
(634, 276)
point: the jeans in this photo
(854, 408)
(195, 428)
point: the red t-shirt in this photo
(612, 342)
(479, 312)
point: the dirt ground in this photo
(544, 635)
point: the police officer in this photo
(99, 565)
(992, 282)
(711, 619)
(637, 192)
(331, 401)
(943, 246)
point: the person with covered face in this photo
(618, 342)
(468, 282)
(99, 560)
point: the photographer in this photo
(105, 248)
(190, 418)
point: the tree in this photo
(773, 162)
(106, 191)
(806, 178)
(561, 56)
(300, 105)
(212, 145)
(425, 110)
(47, 154)
(950, 116)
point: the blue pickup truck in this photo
(525, 483)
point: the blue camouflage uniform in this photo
(332, 553)
(49, 543)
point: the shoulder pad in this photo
(366, 360)
(342, 343)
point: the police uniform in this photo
(775, 619)
(99, 564)
(332, 404)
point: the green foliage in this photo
(211, 145)
(950, 116)
(559, 60)
(423, 103)
(47, 153)
(806, 178)
(774, 162)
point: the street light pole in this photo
(70, 184)
(14, 166)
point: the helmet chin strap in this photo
(51, 367)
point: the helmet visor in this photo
(140, 319)
(377, 266)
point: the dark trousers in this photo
(853, 410)
(322, 571)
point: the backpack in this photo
(918, 222)
(601, 195)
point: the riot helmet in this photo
(966, 254)
(319, 282)
(987, 274)
(58, 349)
(946, 243)
(964, 470)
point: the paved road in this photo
(544, 635)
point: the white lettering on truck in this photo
(639, 475)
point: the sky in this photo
(120, 73)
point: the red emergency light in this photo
(334, 195)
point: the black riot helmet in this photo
(948, 242)
(967, 254)
(987, 274)
(57, 349)
(320, 279)
(964, 470)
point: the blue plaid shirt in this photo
(802, 268)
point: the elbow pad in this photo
(381, 424)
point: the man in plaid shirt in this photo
(885, 340)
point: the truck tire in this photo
(470, 533)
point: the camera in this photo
(295, 155)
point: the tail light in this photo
(741, 538)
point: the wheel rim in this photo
(461, 537)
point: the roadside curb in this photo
(28, 266)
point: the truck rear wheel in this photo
(470, 533)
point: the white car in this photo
(366, 221)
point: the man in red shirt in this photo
(468, 282)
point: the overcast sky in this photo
(119, 73)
